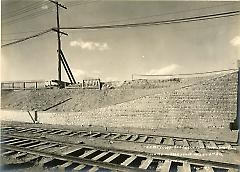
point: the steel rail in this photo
(193, 161)
(91, 134)
(73, 159)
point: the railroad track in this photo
(52, 155)
(126, 137)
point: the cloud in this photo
(81, 74)
(89, 45)
(164, 71)
(235, 41)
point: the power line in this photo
(29, 16)
(180, 20)
(39, 13)
(4, 40)
(130, 25)
(27, 38)
(129, 19)
(21, 9)
(16, 33)
(43, 12)
(168, 13)
(21, 12)
(73, 4)
(189, 74)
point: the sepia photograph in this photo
(120, 85)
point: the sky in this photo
(116, 54)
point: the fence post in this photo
(35, 116)
(83, 83)
(99, 84)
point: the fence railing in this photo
(33, 85)
(23, 85)
(180, 75)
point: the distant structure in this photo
(91, 84)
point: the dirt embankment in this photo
(76, 99)
(68, 100)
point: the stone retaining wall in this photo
(206, 104)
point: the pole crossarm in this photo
(56, 30)
(57, 3)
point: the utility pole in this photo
(61, 57)
(59, 39)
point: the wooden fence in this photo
(33, 85)
(23, 85)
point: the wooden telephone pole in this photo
(61, 57)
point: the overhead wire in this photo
(29, 16)
(4, 40)
(130, 25)
(167, 13)
(12, 35)
(73, 4)
(40, 13)
(43, 12)
(11, 12)
(16, 33)
(189, 74)
(27, 10)
(179, 20)
(27, 38)
(129, 19)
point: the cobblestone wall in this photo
(207, 104)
